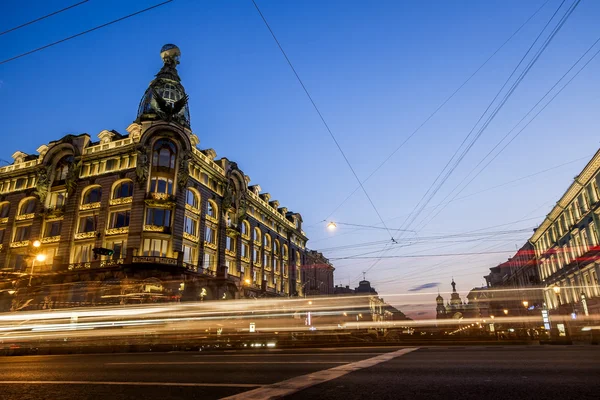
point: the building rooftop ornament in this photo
(165, 99)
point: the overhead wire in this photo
(339, 147)
(84, 32)
(42, 17)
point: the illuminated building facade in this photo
(567, 246)
(143, 215)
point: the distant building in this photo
(378, 310)
(455, 308)
(317, 274)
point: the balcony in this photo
(50, 239)
(85, 235)
(210, 245)
(22, 243)
(23, 217)
(230, 253)
(3, 220)
(192, 209)
(160, 200)
(90, 206)
(120, 201)
(190, 237)
(117, 231)
(157, 229)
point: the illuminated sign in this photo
(252, 327)
(546, 319)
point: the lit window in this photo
(245, 229)
(92, 196)
(256, 235)
(190, 226)
(22, 233)
(276, 247)
(210, 235)
(255, 255)
(155, 247)
(87, 224)
(267, 240)
(119, 219)
(158, 217)
(265, 259)
(28, 207)
(118, 247)
(82, 253)
(209, 261)
(58, 199)
(123, 189)
(245, 250)
(192, 199)
(285, 251)
(189, 254)
(211, 209)
(230, 243)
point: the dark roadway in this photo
(515, 372)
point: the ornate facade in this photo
(149, 208)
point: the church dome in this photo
(165, 99)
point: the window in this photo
(256, 235)
(155, 247)
(189, 254)
(245, 250)
(52, 228)
(92, 195)
(123, 189)
(584, 241)
(20, 183)
(274, 264)
(119, 219)
(204, 178)
(593, 233)
(245, 228)
(265, 259)
(230, 218)
(267, 240)
(158, 217)
(27, 207)
(110, 165)
(190, 226)
(209, 261)
(82, 253)
(2, 235)
(210, 235)
(211, 209)
(22, 233)
(230, 243)
(62, 168)
(255, 255)
(87, 224)
(191, 199)
(58, 199)
(161, 185)
(4, 210)
(285, 251)
(118, 247)
(276, 247)
(163, 155)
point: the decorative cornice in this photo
(190, 237)
(90, 206)
(23, 243)
(154, 228)
(23, 217)
(257, 243)
(50, 239)
(82, 265)
(192, 209)
(212, 219)
(210, 245)
(245, 259)
(85, 235)
(117, 231)
(121, 200)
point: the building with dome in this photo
(142, 216)
(456, 308)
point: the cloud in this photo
(424, 286)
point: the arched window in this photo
(123, 189)
(245, 229)
(62, 168)
(267, 240)
(211, 209)
(256, 235)
(4, 209)
(297, 258)
(27, 206)
(161, 185)
(285, 251)
(164, 154)
(276, 247)
(192, 199)
(92, 195)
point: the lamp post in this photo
(39, 257)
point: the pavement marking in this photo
(293, 385)
(224, 362)
(291, 355)
(239, 385)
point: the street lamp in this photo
(41, 257)
(247, 281)
(505, 311)
(525, 303)
(37, 243)
(331, 226)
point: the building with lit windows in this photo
(142, 216)
(567, 246)
(317, 275)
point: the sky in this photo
(376, 71)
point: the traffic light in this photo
(102, 252)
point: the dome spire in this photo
(165, 99)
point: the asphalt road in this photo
(515, 372)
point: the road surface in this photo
(510, 372)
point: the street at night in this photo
(470, 372)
